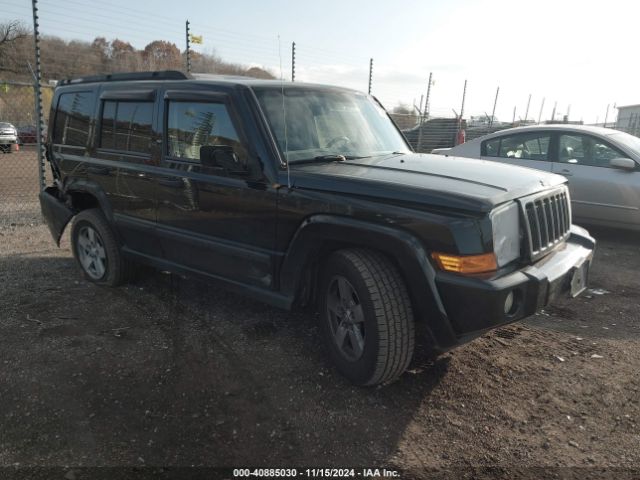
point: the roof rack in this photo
(112, 77)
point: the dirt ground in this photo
(168, 371)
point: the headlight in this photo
(505, 222)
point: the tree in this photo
(160, 55)
(258, 72)
(10, 32)
(13, 35)
(404, 116)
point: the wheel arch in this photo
(59, 207)
(320, 235)
(83, 194)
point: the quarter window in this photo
(586, 150)
(490, 148)
(192, 125)
(126, 126)
(73, 119)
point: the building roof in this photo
(628, 106)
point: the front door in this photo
(216, 211)
(600, 194)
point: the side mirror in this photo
(221, 156)
(622, 163)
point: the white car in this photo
(602, 166)
(8, 136)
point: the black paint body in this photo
(266, 231)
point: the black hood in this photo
(436, 180)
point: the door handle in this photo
(99, 170)
(170, 182)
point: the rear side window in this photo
(73, 118)
(527, 146)
(126, 126)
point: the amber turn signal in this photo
(466, 263)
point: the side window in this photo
(586, 150)
(192, 125)
(126, 126)
(528, 146)
(73, 118)
(490, 148)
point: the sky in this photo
(581, 54)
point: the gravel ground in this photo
(169, 371)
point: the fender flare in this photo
(401, 246)
(86, 186)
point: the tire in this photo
(96, 250)
(368, 321)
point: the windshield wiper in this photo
(329, 158)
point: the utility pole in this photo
(188, 51)
(460, 130)
(424, 114)
(293, 61)
(553, 113)
(37, 86)
(540, 114)
(606, 116)
(370, 74)
(513, 120)
(426, 102)
(526, 112)
(495, 102)
(464, 95)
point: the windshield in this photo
(628, 141)
(324, 123)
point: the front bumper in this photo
(475, 305)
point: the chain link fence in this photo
(19, 182)
(425, 128)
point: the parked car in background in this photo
(601, 164)
(27, 134)
(8, 137)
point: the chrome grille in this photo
(548, 220)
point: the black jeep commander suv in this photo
(306, 194)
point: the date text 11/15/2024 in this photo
(315, 473)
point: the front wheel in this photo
(96, 249)
(366, 316)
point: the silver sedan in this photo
(601, 165)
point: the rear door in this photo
(600, 194)
(527, 149)
(216, 213)
(125, 160)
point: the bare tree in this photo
(12, 31)
(12, 35)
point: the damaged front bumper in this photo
(475, 305)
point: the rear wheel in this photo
(96, 249)
(366, 316)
